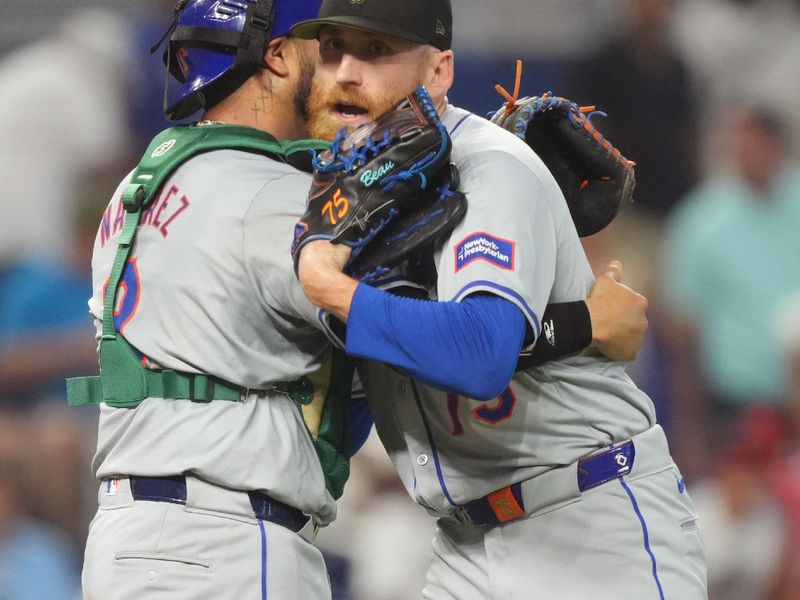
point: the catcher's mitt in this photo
(597, 181)
(417, 230)
(365, 180)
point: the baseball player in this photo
(216, 374)
(552, 482)
(211, 485)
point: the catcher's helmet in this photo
(216, 45)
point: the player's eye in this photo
(331, 48)
(332, 44)
(379, 48)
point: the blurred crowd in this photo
(703, 94)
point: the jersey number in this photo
(488, 412)
(127, 296)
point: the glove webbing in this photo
(349, 159)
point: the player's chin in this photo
(324, 125)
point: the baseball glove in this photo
(597, 181)
(437, 216)
(385, 169)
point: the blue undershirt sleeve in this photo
(469, 348)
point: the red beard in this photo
(323, 104)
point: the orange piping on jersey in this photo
(584, 183)
(511, 100)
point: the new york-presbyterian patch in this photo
(482, 246)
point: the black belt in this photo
(173, 489)
(506, 504)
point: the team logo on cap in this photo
(440, 28)
(357, 1)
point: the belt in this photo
(173, 490)
(506, 504)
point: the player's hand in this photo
(617, 314)
(323, 255)
(319, 268)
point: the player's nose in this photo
(349, 71)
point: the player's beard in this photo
(323, 125)
(308, 66)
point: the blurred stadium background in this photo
(703, 94)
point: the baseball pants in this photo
(634, 537)
(139, 549)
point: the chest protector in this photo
(124, 382)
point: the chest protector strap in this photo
(124, 381)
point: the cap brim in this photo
(309, 30)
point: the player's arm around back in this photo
(469, 347)
(612, 321)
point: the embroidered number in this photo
(127, 296)
(500, 412)
(502, 409)
(452, 408)
(339, 202)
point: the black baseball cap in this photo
(421, 21)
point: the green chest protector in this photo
(124, 382)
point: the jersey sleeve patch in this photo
(482, 246)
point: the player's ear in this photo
(440, 73)
(276, 56)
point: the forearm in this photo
(323, 282)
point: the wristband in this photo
(566, 329)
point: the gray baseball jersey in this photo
(210, 288)
(518, 241)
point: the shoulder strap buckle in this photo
(133, 197)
